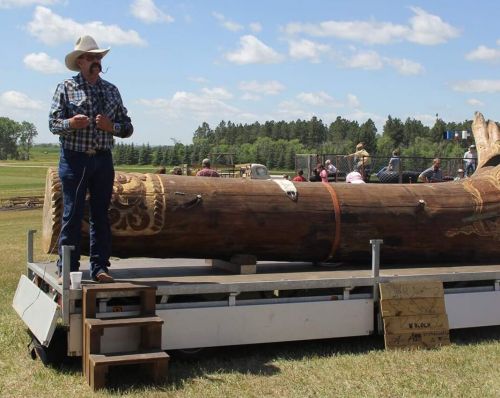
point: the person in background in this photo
(460, 175)
(315, 176)
(87, 113)
(177, 171)
(361, 158)
(330, 168)
(285, 176)
(206, 171)
(433, 173)
(354, 178)
(299, 177)
(394, 162)
(470, 160)
(322, 173)
(161, 170)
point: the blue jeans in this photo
(80, 173)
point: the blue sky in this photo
(179, 63)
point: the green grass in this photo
(354, 367)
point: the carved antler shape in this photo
(487, 136)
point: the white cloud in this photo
(477, 86)
(423, 28)
(291, 110)
(360, 31)
(253, 51)
(227, 24)
(148, 12)
(405, 66)
(42, 62)
(365, 60)
(475, 102)
(300, 49)
(250, 97)
(271, 87)
(483, 53)
(430, 29)
(353, 101)
(217, 92)
(317, 99)
(185, 104)
(255, 27)
(52, 29)
(16, 100)
(24, 3)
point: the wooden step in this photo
(121, 322)
(155, 363)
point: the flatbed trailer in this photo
(202, 306)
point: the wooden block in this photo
(416, 323)
(421, 289)
(242, 269)
(417, 340)
(413, 306)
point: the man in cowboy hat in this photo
(470, 160)
(87, 113)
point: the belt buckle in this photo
(91, 152)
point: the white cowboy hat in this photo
(84, 44)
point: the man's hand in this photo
(79, 122)
(104, 123)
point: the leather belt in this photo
(94, 152)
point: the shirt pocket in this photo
(78, 105)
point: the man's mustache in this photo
(95, 65)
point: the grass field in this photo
(355, 367)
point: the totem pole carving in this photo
(157, 215)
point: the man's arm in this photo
(58, 121)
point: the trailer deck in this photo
(203, 306)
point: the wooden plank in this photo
(416, 323)
(413, 306)
(411, 289)
(118, 322)
(417, 340)
(128, 359)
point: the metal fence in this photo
(410, 167)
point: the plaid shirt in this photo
(76, 96)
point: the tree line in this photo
(272, 143)
(16, 139)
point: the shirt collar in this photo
(80, 81)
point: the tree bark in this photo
(154, 215)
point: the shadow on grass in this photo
(255, 359)
(473, 336)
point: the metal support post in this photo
(376, 277)
(232, 299)
(66, 268)
(29, 252)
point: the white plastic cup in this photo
(76, 279)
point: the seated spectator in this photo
(177, 171)
(433, 173)
(299, 177)
(395, 161)
(354, 178)
(460, 175)
(206, 171)
(315, 176)
(330, 168)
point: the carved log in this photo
(156, 215)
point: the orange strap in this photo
(336, 209)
